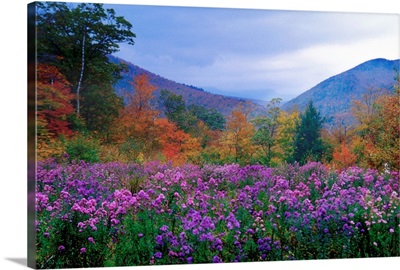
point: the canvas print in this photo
(167, 135)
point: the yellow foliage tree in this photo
(377, 138)
(285, 136)
(237, 144)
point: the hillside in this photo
(334, 95)
(190, 94)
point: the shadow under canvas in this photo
(20, 261)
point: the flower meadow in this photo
(116, 214)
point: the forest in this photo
(134, 179)
(80, 114)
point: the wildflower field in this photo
(116, 214)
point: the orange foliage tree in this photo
(377, 138)
(177, 146)
(136, 128)
(237, 138)
(343, 157)
(54, 105)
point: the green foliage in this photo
(137, 245)
(188, 117)
(175, 109)
(211, 117)
(267, 130)
(61, 29)
(83, 148)
(77, 40)
(212, 156)
(173, 104)
(77, 123)
(100, 108)
(72, 239)
(308, 144)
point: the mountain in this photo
(189, 93)
(334, 95)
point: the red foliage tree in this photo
(53, 101)
(343, 157)
(177, 146)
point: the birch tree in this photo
(77, 39)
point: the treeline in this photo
(138, 132)
(79, 113)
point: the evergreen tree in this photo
(308, 144)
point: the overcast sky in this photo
(255, 53)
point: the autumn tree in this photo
(388, 131)
(53, 101)
(266, 128)
(343, 156)
(136, 122)
(365, 108)
(236, 139)
(54, 108)
(285, 135)
(341, 128)
(177, 146)
(377, 138)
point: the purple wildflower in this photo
(182, 236)
(232, 221)
(207, 224)
(216, 259)
(159, 239)
(164, 228)
(287, 214)
(250, 231)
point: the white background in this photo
(13, 146)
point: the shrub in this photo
(83, 148)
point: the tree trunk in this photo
(81, 75)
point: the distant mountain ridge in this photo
(190, 94)
(334, 95)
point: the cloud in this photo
(238, 51)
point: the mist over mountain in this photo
(334, 95)
(190, 94)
